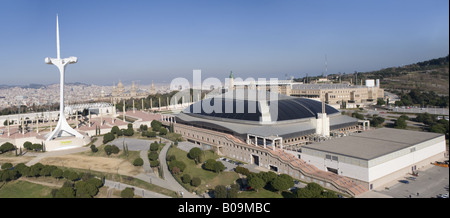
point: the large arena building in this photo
(306, 139)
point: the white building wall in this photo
(345, 169)
(407, 160)
(388, 164)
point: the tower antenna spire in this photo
(58, 51)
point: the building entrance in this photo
(255, 159)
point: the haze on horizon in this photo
(145, 40)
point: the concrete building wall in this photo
(411, 158)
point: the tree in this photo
(196, 182)
(195, 154)
(242, 170)
(218, 167)
(85, 190)
(380, 101)
(255, 182)
(138, 162)
(377, 121)
(5, 147)
(127, 193)
(27, 145)
(267, 176)
(73, 176)
(156, 125)
(280, 184)
(220, 191)
(186, 178)
(65, 192)
(209, 164)
(162, 131)
(400, 123)
(7, 166)
(57, 173)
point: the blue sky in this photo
(145, 40)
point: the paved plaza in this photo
(431, 182)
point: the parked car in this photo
(404, 181)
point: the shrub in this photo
(154, 163)
(196, 182)
(27, 145)
(138, 162)
(115, 149)
(115, 130)
(93, 148)
(108, 137)
(108, 149)
(127, 193)
(154, 146)
(151, 134)
(153, 156)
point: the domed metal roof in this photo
(235, 109)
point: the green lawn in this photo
(209, 179)
(24, 189)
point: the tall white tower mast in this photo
(62, 128)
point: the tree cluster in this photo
(85, 186)
(221, 191)
(111, 149)
(213, 165)
(433, 124)
(314, 190)
(416, 97)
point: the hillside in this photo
(430, 75)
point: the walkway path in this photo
(137, 191)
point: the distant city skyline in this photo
(145, 40)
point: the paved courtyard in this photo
(133, 144)
(430, 183)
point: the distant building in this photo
(337, 95)
(119, 93)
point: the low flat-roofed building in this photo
(376, 157)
